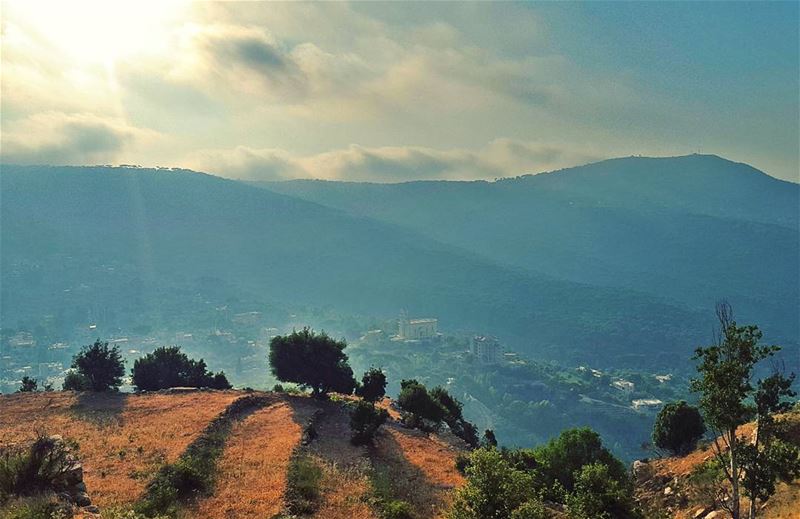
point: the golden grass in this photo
(251, 474)
(422, 468)
(123, 438)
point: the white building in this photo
(416, 329)
(486, 349)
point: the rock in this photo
(78, 487)
(668, 491)
(82, 499)
(92, 509)
(74, 474)
(641, 470)
(701, 512)
(715, 514)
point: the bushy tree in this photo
(101, 367)
(312, 360)
(599, 495)
(28, 385)
(373, 385)
(168, 367)
(74, 381)
(562, 458)
(725, 372)
(365, 419)
(677, 428)
(494, 489)
(415, 399)
(454, 417)
(488, 439)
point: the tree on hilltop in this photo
(100, 368)
(312, 360)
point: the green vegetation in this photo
(168, 367)
(678, 427)
(383, 496)
(101, 368)
(415, 400)
(728, 400)
(42, 506)
(574, 469)
(365, 419)
(195, 471)
(41, 467)
(302, 485)
(312, 360)
(373, 385)
(28, 385)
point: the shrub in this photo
(384, 500)
(43, 506)
(43, 466)
(678, 427)
(302, 485)
(365, 419)
(494, 489)
(101, 367)
(373, 385)
(415, 399)
(397, 509)
(312, 360)
(74, 381)
(562, 458)
(168, 367)
(489, 439)
(598, 495)
(28, 385)
(533, 509)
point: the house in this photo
(486, 349)
(416, 329)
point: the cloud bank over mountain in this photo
(363, 92)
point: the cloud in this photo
(499, 158)
(75, 138)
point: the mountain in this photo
(691, 229)
(130, 246)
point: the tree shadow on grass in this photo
(102, 409)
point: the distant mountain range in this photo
(618, 262)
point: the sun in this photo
(98, 31)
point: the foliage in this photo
(102, 367)
(74, 381)
(373, 385)
(562, 458)
(41, 506)
(302, 485)
(383, 496)
(599, 494)
(312, 360)
(168, 367)
(365, 419)
(677, 428)
(489, 439)
(533, 509)
(728, 400)
(454, 417)
(415, 399)
(494, 489)
(40, 467)
(28, 385)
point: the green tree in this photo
(677, 428)
(599, 495)
(494, 489)
(312, 360)
(724, 382)
(101, 367)
(28, 385)
(168, 367)
(74, 381)
(415, 399)
(373, 385)
(365, 419)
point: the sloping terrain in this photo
(694, 229)
(135, 247)
(675, 487)
(125, 439)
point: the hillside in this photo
(142, 248)
(123, 440)
(693, 229)
(677, 487)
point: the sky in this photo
(387, 92)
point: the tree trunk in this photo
(734, 475)
(753, 509)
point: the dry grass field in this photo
(124, 439)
